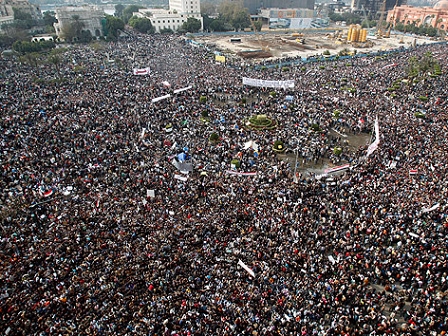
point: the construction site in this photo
(276, 44)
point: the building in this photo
(436, 16)
(290, 18)
(5, 20)
(375, 7)
(179, 11)
(6, 8)
(254, 6)
(89, 17)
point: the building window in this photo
(163, 21)
(168, 22)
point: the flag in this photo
(413, 172)
(141, 72)
(48, 193)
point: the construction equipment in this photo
(366, 20)
(380, 32)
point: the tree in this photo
(113, 25)
(143, 25)
(218, 25)
(235, 14)
(15, 33)
(192, 25)
(166, 31)
(6, 41)
(241, 20)
(208, 8)
(258, 25)
(119, 10)
(21, 15)
(77, 25)
(128, 12)
(56, 61)
(85, 36)
(49, 18)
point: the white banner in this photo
(234, 172)
(374, 145)
(141, 72)
(243, 265)
(434, 207)
(160, 98)
(182, 89)
(287, 84)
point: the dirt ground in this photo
(283, 44)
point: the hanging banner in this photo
(287, 84)
(141, 72)
(374, 145)
(248, 270)
(160, 98)
(336, 169)
(182, 89)
(220, 58)
(234, 172)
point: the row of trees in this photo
(425, 30)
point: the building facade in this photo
(6, 8)
(254, 6)
(175, 16)
(436, 16)
(89, 17)
(375, 7)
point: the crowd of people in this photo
(101, 234)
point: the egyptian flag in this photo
(48, 193)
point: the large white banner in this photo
(141, 72)
(287, 84)
(374, 145)
(154, 100)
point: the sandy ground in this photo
(282, 44)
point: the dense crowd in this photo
(102, 235)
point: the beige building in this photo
(90, 17)
(179, 12)
(436, 16)
(6, 8)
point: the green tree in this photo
(234, 13)
(21, 15)
(113, 25)
(166, 31)
(56, 61)
(192, 25)
(258, 25)
(77, 25)
(15, 33)
(49, 18)
(241, 20)
(143, 25)
(208, 8)
(6, 41)
(128, 12)
(219, 25)
(119, 10)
